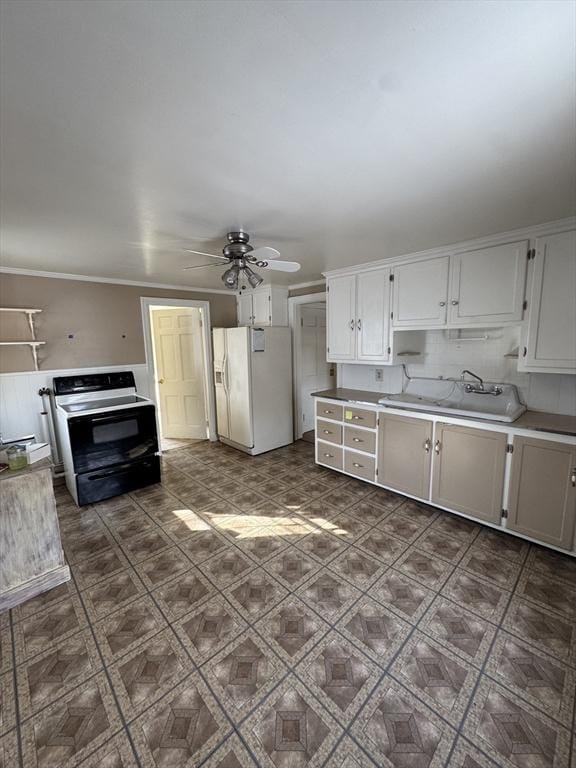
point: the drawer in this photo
(325, 430)
(329, 411)
(360, 465)
(361, 417)
(329, 455)
(360, 439)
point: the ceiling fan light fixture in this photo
(230, 277)
(254, 279)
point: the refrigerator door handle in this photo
(225, 373)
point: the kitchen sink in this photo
(451, 397)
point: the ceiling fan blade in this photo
(279, 266)
(265, 253)
(199, 266)
(203, 253)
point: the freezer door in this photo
(238, 385)
(222, 413)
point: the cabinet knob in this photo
(573, 478)
(327, 411)
(454, 303)
(351, 325)
(329, 455)
(355, 464)
(427, 444)
(359, 324)
(327, 431)
(358, 418)
(437, 446)
(357, 440)
(442, 303)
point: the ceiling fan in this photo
(240, 256)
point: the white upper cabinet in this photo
(341, 318)
(372, 315)
(358, 317)
(244, 307)
(267, 305)
(420, 293)
(487, 285)
(550, 333)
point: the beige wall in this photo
(104, 321)
(306, 291)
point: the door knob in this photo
(160, 381)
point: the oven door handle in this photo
(110, 417)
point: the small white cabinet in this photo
(420, 293)
(550, 332)
(487, 285)
(267, 305)
(358, 317)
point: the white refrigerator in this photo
(253, 379)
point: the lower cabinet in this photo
(468, 473)
(404, 453)
(542, 497)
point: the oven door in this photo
(105, 439)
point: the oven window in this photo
(105, 433)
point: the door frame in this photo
(146, 304)
(293, 314)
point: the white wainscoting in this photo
(21, 406)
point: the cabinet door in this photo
(551, 330)
(404, 453)
(468, 473)
(372, 315)
(341, 318)
(261, 308)
(542, 497)
(420, 293)
(487, 285)
(244, 306)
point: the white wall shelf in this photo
(33, 343)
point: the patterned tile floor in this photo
(267, 612)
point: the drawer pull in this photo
(327, 431)
(355, 464)
(329, 455)
(357, 440)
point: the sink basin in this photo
(451, 398)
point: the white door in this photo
(238, 386)
(551, 332)
(222, 416)
(341, 318)
(261, 307)
(314, 370)
(372, 315)
(244, 306)
(487, 285)
(420, 292)
(179, 360)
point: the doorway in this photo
(311, 371)
(179, 359)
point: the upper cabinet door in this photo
(487, 285)
(261, 308)
(341, 318)
(372, 315)
(551, 327)
(542, 496)
(420, 293)
(244, 306)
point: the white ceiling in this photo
(339, 132)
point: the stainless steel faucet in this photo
(480, 389)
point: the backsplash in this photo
(441, 357)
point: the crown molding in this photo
(527, 233)
(295, 286)
(111, 281)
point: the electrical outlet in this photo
(379, 374)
